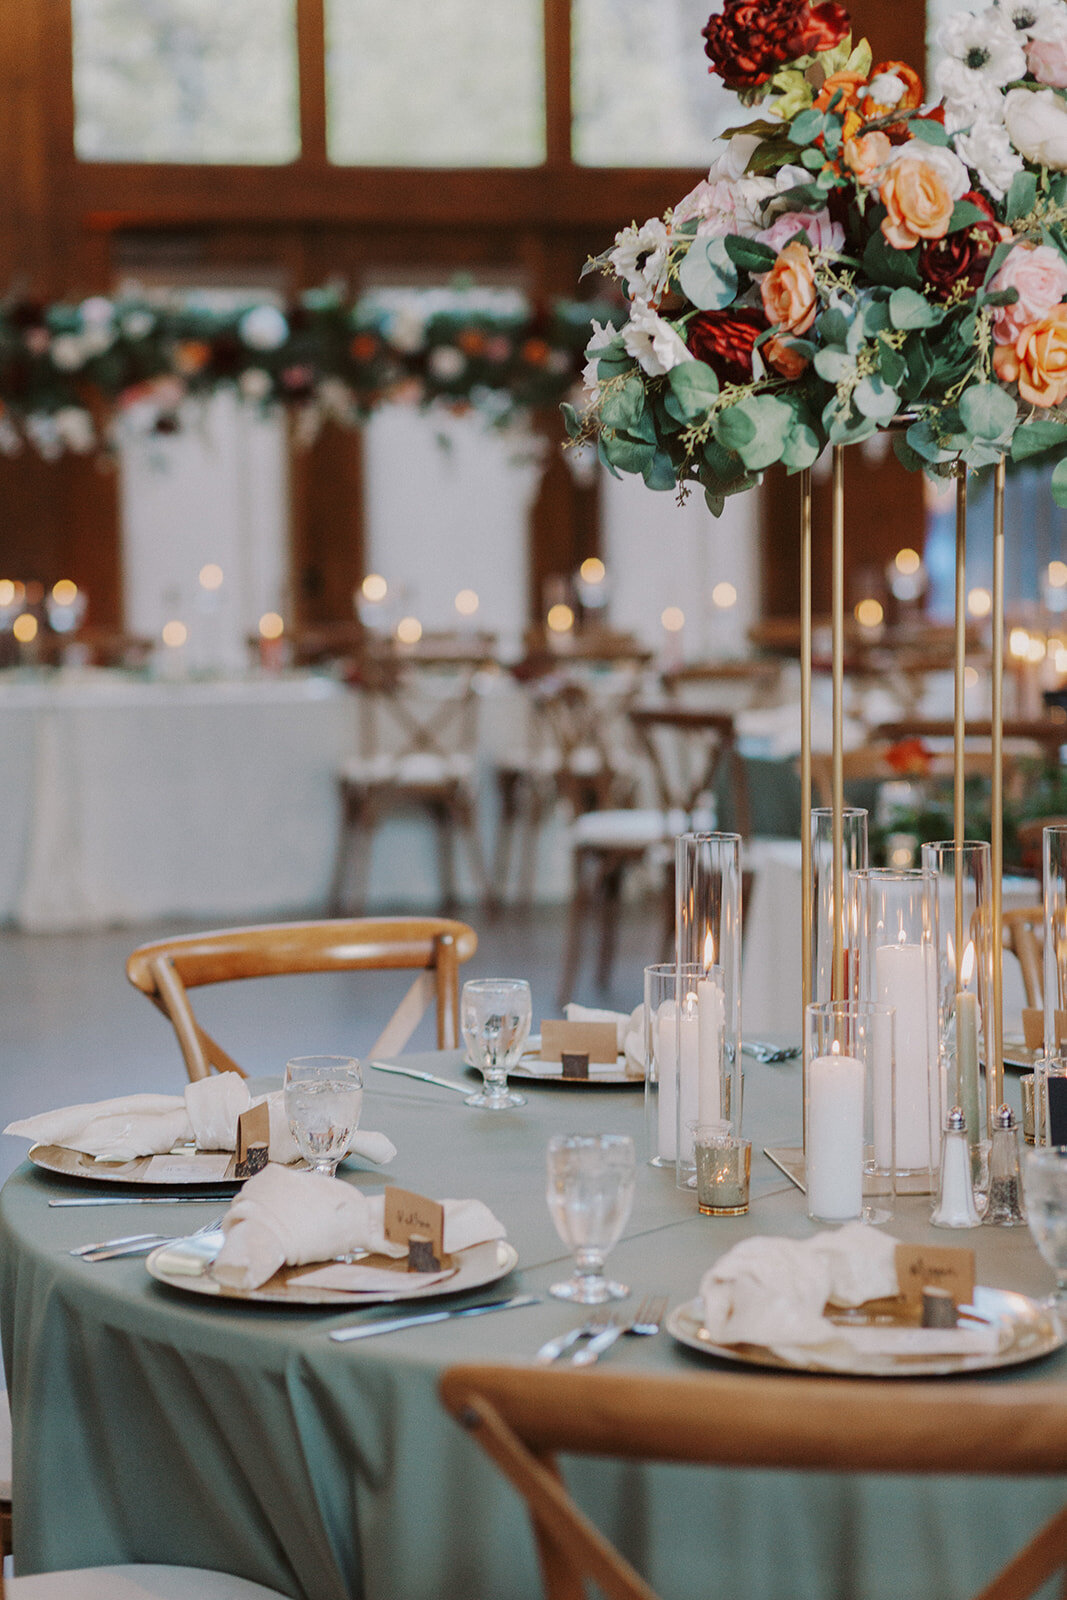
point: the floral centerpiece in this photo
(858, 258)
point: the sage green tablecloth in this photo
(155, 1426)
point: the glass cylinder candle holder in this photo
(893, 914)
(821, 933)
(661, 1064)
(1054, 894)
(849, 1111)
(702, 1090)
(708, 939)
(964, 977)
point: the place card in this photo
(575, 1064)
(253, 1140)
(1034, 1027)
(419, 1223)
(202, 1166)
(923, 1266)
(1057, 1109)
(597, 1040)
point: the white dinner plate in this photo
(1027, 1332)
(192, 1167)
(186, 1264)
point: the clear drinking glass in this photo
(495, 1016)
(1045, 1188)
(590, 1191)
(323, 1101)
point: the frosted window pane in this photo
(454, 83)
(186, 80)
(642, 94)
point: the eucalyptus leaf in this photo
(624, 406)
(570, 420)
(716, 503)
(908, 309)
(1021, 195)
(691, 390)
(801, 448)
(875, 399)
(892, 365)
(928, 131)
(987, 411)
(1036, 438)
(964, 215)
(813, 158)
(749, 254)
(886, 265)
(833, 326)
(632, 455)
(708, 276)
(908, 458)
(834, 364)
(806, 127)
(1059, 484)
(659, 473)
(604, 454)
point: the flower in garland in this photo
(725, 341)
(919, 187)
(788, 291)
(752, 39)
(1037, 361)
(1037, 126)
(652, 341)
(962, 258)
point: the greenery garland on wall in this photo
(74, 377)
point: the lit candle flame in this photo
(835, 1047)
(709, 951)
(967, 967)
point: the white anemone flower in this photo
(640, 258)
(967, 95)
(653, 343)
(986, 44)
(988, 151)
(1025, 16)
(600, 338)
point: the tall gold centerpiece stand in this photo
(791, 1159)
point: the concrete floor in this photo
(72, 1028)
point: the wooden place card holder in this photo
(413, 1220)
(253, 1141)
(921, 1266)
(599, 1041)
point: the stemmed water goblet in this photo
(323, 1101)
(590, 1191)
(495, 1017)
(1046, 1211)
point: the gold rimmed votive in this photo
(724, 1168)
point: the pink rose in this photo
(1039, 273)
(826, 236)
(1047, 60)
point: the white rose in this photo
(1037, 125)
(653, 343)
(736, 157)
(987, 150)
(945, 162)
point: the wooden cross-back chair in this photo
(434, 946)
(1024, 935)
(522, 1417)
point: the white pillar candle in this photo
(902, 977)
(666, 1042)
(710, 1018)
(834, 1138)
(688, 1075)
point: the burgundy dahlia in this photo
(724, 341)
(753, 38)
(961, 257)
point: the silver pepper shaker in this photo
(955, 1196)
(1006, 1208)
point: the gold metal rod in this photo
(959, 720)
(806, 872)
(838, 631)
(995, 1075)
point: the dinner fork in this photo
(597, 1322)
(137, 1244)
(646, 1321)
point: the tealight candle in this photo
(834, 1137)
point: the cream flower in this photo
(987, 150)
(653, 343)
(599, 339)
(1037, 126)
(986, 44)
(640, 258)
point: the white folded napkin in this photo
(285, 1218)
(629, 1029)
(151, 1124)
(773, 1292)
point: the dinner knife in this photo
(205, 1199)
(424, 1077)
(365, 1330)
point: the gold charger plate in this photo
(1027, 1333)
(186, 1264)
(73, 1164)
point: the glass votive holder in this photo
(849, 1111)
(661, 1064)
(724, 1169)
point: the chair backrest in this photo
(1024, 935)
(419, 708)
(434, 946)
(576, 725)
(687, 748)
(522, 1416)
(872, 764)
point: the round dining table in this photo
(152, 1424)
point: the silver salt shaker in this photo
(1006, 1208)
(955, 1195)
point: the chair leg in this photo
(612, 875)
(346, 837)
(466, 817)
(444, 822)
(575, 923)
(509, 788)
(537, 803)
(1035, 1563)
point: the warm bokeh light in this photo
(7, 592)
(64, 593)
(374, 587)
(673, 619)
(907, 561)
(175, 634)
(560, 618)
(409, 630)
(1059, 657)
(467, 602)
(1057, 574)
(1035, 651)
(271, 625)
(211, 576)
(24, 627)
(869, 613)
(1019, 643)
(592, 570)
(979, 603)
(970, 676)
(901, 856)
(724, 595)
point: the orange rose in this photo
(1037, 361)
(783, 358)
(909, 100)
(846, 86)
(917, 203)
(866, 155)
(788, 290)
